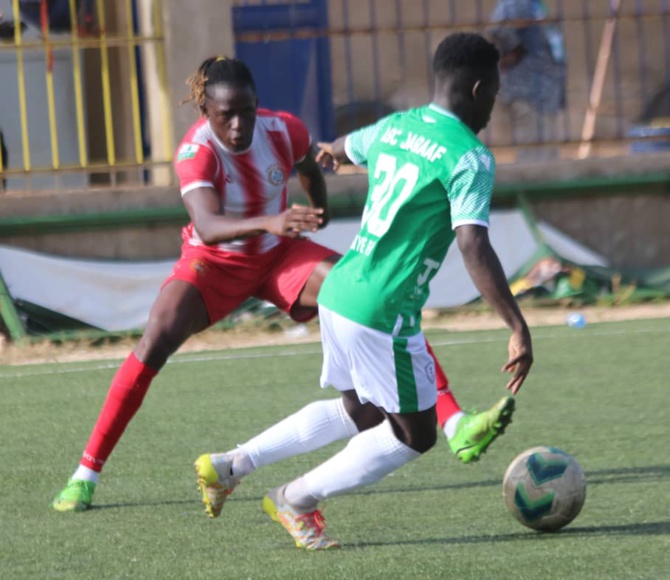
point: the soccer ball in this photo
(544, 488)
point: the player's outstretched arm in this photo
(203, 206)
(332, 155)
(488, 276)
(312, 181)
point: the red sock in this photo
(124, 398)
(447, 405)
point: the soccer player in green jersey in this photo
(431, 181)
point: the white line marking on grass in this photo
(235, 355)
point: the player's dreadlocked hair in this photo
(466, 51)
(215, 70)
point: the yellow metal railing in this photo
(25, 142)
(51, 98)
(119, 82)
(134, 90)
(162, 76)
(106, 93)
(78, 92)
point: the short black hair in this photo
(464, 51)
(215, 70)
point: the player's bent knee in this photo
(419, 438)
(424, 441)
(365, 416)
(158, 343)
(416, 430)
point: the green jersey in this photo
(428, 174)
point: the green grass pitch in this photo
(600, 393)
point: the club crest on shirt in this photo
(430, 372)
(275, 175)
(187, 151)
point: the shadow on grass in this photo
(646, 529)
(142, 504)
(597, 477)
(626, 474)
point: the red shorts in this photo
(226, 280)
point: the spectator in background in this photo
(8, 28)
(532, 66)
(37, 13)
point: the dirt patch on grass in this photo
(283, 332)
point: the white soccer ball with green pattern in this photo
(544, 488)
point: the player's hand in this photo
(326, 157)
(325, 217)
(295, 220)
(520, 359)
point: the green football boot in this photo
(476, 431)
(76, 496)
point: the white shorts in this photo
(394, 373)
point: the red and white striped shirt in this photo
(249, 184)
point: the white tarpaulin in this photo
(107, 295)
(118, 295)
(509, 234)
(511, 237)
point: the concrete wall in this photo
(629, 227)
(192, 34)
(131, 243)
(630, 231)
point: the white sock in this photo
(452, 423)
(297, 494)
(312, 427)
(87, 474)
(221, 463)
(367, 458)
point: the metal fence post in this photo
(9, 314)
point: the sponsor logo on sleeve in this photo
(187, 151)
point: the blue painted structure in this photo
(291, 73)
